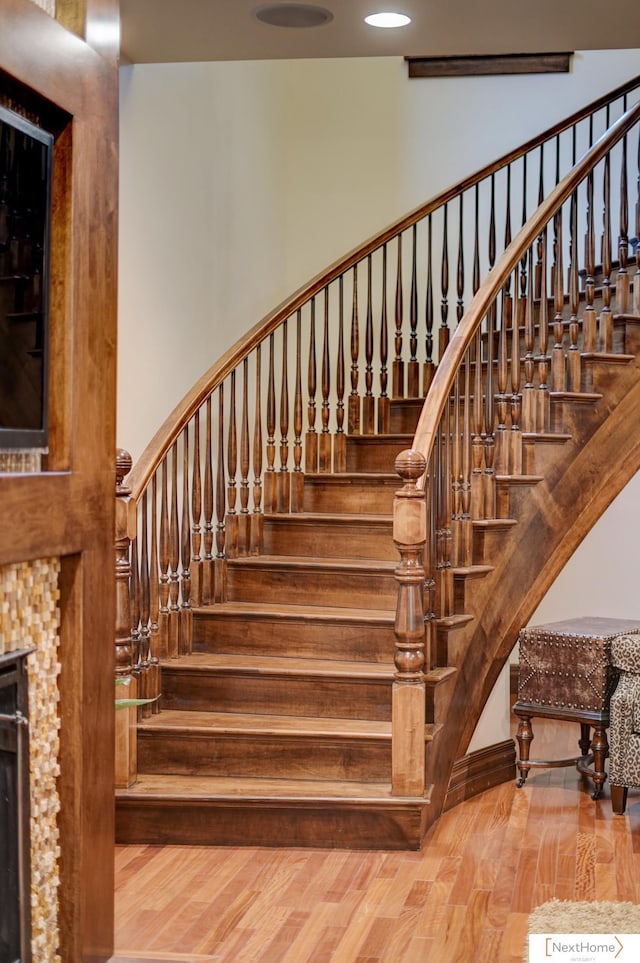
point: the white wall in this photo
(239, 181)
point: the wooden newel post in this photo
(126, 718)
(408, 695)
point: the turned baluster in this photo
(137, 665)
(622, 279)
(311, 441)
(220, 563)
(606, 317)
(164, 570)
(232, 463)
(541, 243)
(297, 479)
(478, 434)
(384, 406)
(573, 356)
(207, 567)
(476, 242)
(529, 391)
(353, 422)
(368, 402)
(244, 518)
(154, 593)
(492, 224)
(196, 514)
(257, 518)
(456, 472)
(397, 370)
(411, 655)
(186, 614)
(514, 466)
(460, 271)
(413, 368)
(589, 322)
(443, 339)
(543, 404)
(429, 367)
(501, 460)
(126, 763)
(558, 369)
(324, 459)
(489, 498)
(284, 484)
(174, 559)
(340, 440)
(442, 515)
(465, 555)
(270, 484)
(125, 532)
(146, 638)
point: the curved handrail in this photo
(488, 291)
(171, 428)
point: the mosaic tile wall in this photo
(29, 616)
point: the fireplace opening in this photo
(15, 884)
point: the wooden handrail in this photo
(173, 425)
(487, 292)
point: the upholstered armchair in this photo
(624, 725)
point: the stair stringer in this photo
(580, 482)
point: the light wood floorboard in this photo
(465, 898)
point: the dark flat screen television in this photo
(25, 201)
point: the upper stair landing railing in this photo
(529, 333)
(322, 366)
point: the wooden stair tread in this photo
(320, 518)
(316, 562)
(325, 613)
(248, 788)
(494, 524)
(456, 621)
(607, 357)
(519, 479)
(278, 666)
(578, 397)
(546, 437)
(355, 477)
(472, 571)
(177, 720)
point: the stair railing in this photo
(530, 332)
(281, 402)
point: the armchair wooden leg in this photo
(618, 799)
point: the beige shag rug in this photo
(564, 916)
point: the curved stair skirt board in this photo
(481, 770)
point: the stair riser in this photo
(293, 637)
(334, 698)
(311, 587)
(404, 416)
(294, 757)
(341, 495)
(375, 454)
(331, 824)
(328, 539)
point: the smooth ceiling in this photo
(163, 31)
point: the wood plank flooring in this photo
(465, 898)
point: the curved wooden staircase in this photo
(277, 722)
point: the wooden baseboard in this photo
(481, 770)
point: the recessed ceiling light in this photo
(292, 15)
(387, 20)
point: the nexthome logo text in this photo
(554, 946)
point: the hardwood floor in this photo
(465, 898)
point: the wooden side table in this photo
(566, 674)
